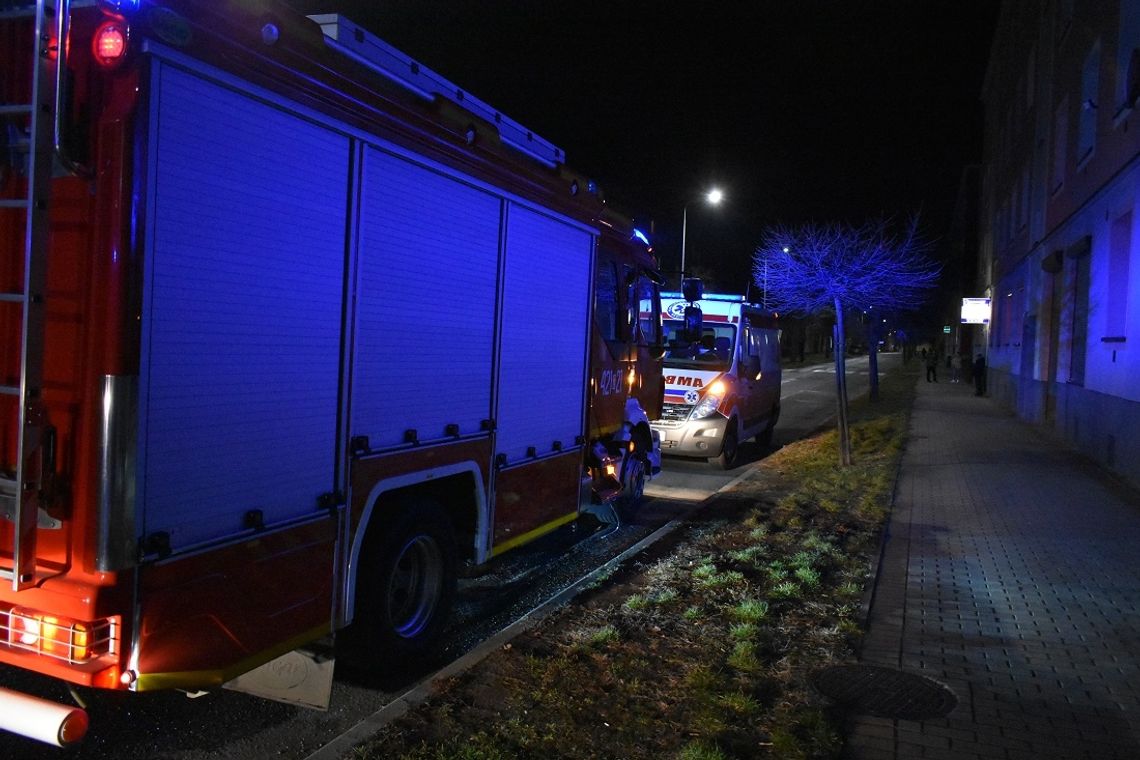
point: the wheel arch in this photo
(459, 492)
(735, 420)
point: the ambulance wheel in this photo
(765, 438)
(405, 587)
(633, 486)
(730, 451)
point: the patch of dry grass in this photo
(706, 652)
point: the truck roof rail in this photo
(351, 39)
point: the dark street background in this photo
(801, 110)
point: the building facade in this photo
(1058, 228)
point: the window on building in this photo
(1010, 132)
(1080, 311)
(1023, 210)
(1128, 55)
(1031, 77)
(1086, 129)
(1060, 143)
(1005, 325)
(1119, 253)
(1017, 315)
(1064, 17)
(1003, 224)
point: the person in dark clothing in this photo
(931, 366)
(980, 376)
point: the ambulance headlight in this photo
(709, 402)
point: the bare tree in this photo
(844, 269)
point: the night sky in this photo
(801, 110)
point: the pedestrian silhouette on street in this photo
(931, 365)
(956, 368)
(980, 376)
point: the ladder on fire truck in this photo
(19, 489)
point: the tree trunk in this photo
(841, 386)
(873, 358)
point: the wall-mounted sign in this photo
(975, 311)
(946, 329)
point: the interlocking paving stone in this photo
(1011, 574)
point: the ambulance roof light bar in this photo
(119, 7)
(349, 38)
(728, 298)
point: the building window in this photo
(1064, 18)
(1060, 143)
(1018, 319)
(1079, 327)
(1116, 288)
(1090, 77)
(1023, 209)
(1006, 325)
(1031, 77)
(1128, 55)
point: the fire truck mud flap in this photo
(40, 719)
(301, 677)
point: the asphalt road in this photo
(226, 725)
(807, 402)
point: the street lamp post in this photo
(713, 197)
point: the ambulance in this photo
(723, 388)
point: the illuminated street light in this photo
(713, 197)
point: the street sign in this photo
(975, 311)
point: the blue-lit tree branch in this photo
(815, 268)
(841, 268)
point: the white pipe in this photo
(40, 719)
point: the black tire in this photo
(633, 484)
(405, 588)
(765, 438)
(729, 455)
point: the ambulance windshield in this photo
(714, 351)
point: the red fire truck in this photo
(293, 332)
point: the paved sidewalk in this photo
(1012, 575)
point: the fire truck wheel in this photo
(730, 451)
(633, 485)
(405, 587)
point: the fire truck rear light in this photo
(110, 43)
(64, 639)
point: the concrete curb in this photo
(422, 691)
(876, 562)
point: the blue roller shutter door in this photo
(242, 313)
(429, 253)
(544, 343)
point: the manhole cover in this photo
(885, 693)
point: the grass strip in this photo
(703, 648)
